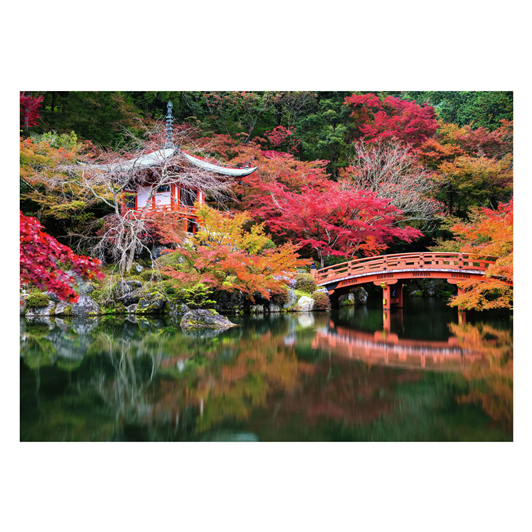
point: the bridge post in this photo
(386, 296)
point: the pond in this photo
(423, 373)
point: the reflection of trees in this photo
(227, 389)
(146, 380)
(491, 384)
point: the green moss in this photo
(305, 282)
(38, 300)
(301, 293)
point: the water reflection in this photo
(308, 376)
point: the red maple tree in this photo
(41, 258)
(402, 119)
(29, 114)
(332, 221)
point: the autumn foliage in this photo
(332, 221)
(42, 257)
(489, 234)
(225, 256)
(393, 118)
(29, 110)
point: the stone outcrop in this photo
(357, 296)
(292, 300)
(152, 303)
(42, 311)
(304, 304)
(86, 306)
(205, 319)
(361, 296)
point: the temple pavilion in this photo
(140, 195)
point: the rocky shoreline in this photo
(134, 297)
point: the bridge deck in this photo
(405, 265)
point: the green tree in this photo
(482, 108)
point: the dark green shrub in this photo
(280, 298)
(305, 282)
(170, 290)
(321, 301)
(38, 300)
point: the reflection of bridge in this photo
(388, 349)
(387, 270)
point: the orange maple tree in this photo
(490, 234)
(225, 256)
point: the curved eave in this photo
(234, 172)
(155, 158)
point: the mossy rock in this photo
(205, 319)
(153, 303)
(37, 300)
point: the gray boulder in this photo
(205, 319)
(361, 296)
(132, 297)
(347, 300)
(256, 309)
(62, 308)
(177, 309)
(274, 308)
(153, 303)
(43, 311)
(85, 306)
(292, 299)
(305, 304)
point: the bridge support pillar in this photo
(386, 296)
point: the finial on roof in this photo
(169, 127)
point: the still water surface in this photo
(418, 374)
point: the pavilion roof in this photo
(157, 157)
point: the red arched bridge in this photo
(388, 271)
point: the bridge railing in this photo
(403, 261)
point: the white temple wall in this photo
(142, 196)
(163, 198)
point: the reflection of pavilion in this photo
(384, 348)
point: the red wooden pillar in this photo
(386, 296)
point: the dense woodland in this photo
(340, 175)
